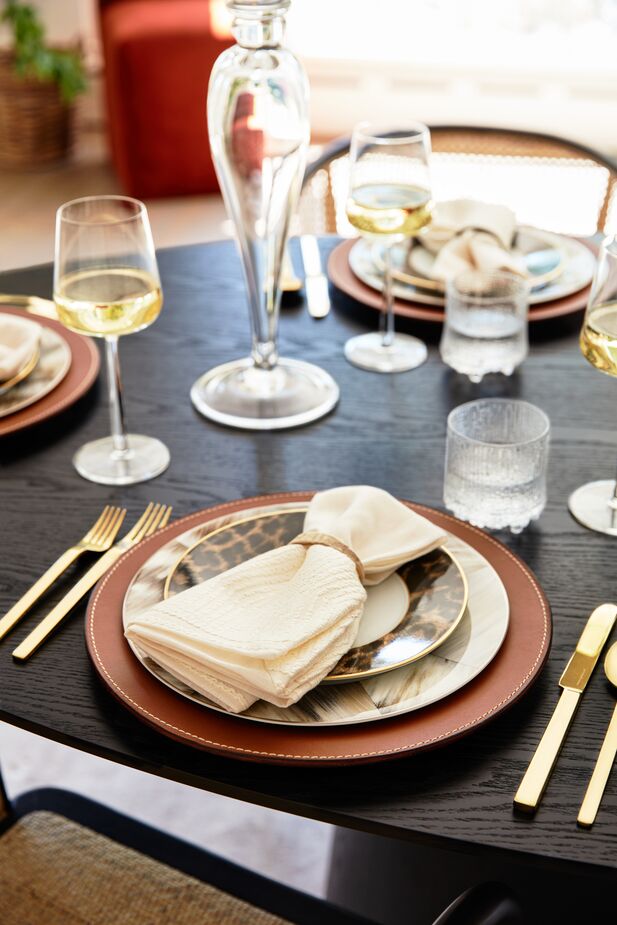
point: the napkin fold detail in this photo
(19, 338)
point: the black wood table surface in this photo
(388, 431)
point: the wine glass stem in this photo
(386, 321)
(114, 385)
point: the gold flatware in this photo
(29, 366)
(98, 539)
(289, 281)
(30, 303)
(604, 763)
(154, 518)
(315, 282)
(573, 681)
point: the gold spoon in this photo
(604, 763)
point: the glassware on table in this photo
(496, 462)
(389, 200)
(485, 329)
(594, 505)
(106, 284)
(259, 132)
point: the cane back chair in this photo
(66, 860)
(549, 182)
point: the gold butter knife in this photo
(154, 517)
(573, 681)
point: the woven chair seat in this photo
(56, 872)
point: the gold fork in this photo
(99, 538)
(153, 518)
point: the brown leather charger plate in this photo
(514, 668)
(85, 362)
(343, 277)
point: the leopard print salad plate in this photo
(426, 631)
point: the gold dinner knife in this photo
(573, 681)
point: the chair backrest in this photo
(550, 182)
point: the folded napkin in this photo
(19, 338)
(274, 626)
(465, 234)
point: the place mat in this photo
(501, 684)
(441, 646)
(343, 277)
(72, 366)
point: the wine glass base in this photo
(239, 394)
(367, 352)
(590, 505)
(100, 462)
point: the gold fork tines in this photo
(153, 518)
(98, 539)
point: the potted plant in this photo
(38, 86)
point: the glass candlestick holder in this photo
(259, 133)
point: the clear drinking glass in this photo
(106, 284)
(259, 132)
(595, 504)
(496, 462)
(389, 200)
(485, 329)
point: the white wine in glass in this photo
(106, 284)
(389, 200)
(108, 302)
(595, 504)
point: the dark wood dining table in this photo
(450, 807)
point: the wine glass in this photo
(106, 284)
(389, 200)
(595, 504)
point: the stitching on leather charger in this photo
(386, 751)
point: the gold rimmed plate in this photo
(29, 366)
(405, 617)
(578, 269)
(540, 252)
(470, 636)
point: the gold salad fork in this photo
(99, 538)
(153, 518)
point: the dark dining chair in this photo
(66, 860)
(549, 182)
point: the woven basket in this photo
(35, 123)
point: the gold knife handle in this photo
(53, 619)
(536, 777)
(595, 788)
(23, 605)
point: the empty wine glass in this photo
(106, 284)
(389, 200)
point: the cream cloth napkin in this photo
(19, 338)
(466, 234)
(274, 626)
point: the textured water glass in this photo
(485, 330)
(496, 462)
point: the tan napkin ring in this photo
(315, 538)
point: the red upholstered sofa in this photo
(158, 58)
